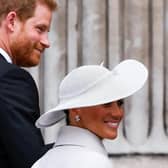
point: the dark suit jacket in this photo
(21, 143)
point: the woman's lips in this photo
(112, 124)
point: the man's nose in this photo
(45, 41)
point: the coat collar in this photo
(75, 136)
(5, 55)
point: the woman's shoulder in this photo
(73, 157)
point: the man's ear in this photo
(10, 20)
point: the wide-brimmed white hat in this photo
(92, 85)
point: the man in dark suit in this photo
(24, 26)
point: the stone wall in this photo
(140, 161)
(92, 31)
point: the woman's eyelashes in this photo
(120, 102)
(107, 104)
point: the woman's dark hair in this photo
(67, 116)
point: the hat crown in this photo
(80, 80)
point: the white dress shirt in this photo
(5, 55)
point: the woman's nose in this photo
(118, 111)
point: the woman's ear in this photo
(74, 116)
(10, 20)
(75, 111)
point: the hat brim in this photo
(124, 80)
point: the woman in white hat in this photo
(91, 97)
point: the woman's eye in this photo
(107, 105)
(120, 102)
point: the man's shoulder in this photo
(8, 68)
(5, 67)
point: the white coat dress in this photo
(75, 148)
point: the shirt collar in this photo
(70, 135)
(5, 55)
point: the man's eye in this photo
(41, 29)
(120, 102)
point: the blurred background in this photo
(94, 31)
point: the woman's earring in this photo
(77, 118)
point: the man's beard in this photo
(23, 53)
